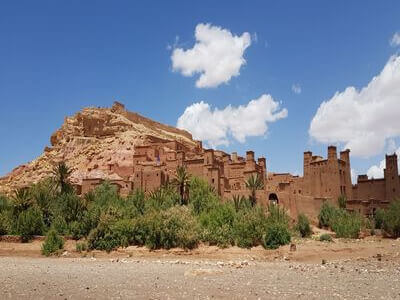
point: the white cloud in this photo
(217, 127)
(217, 56)
(296, 88)
(363, 119)
(395, 41)
(376, 171)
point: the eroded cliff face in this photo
(91, 141)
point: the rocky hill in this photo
(90, 141)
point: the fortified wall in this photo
(323, 180)
(371, 194)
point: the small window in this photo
(212, 180)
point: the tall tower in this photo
(391, 174)
(346, 174)
(332, 153)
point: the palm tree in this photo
(22, 200)
(61, 174)
(240, 202)
(254, 183)
(182, 182)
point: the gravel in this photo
(123, 278)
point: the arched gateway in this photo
(273, 198)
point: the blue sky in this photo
(57, 57)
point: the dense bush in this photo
(277, 231)
(326, 214)
(5, 222)
(325, 237)
(6, 218)
(249, 227)
(342, 201)
(303, 226)
(346, 225)
(30, 223)
(277, 234)
(53, 243)
(103, 237)
(202, 197)
(217, 225)
(155, 220)
(391, 220)
(379, 218)
(163, 198)
(175, 227)
(70, 207)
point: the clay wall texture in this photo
(155, 164)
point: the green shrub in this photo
(102, 238)
(326, 214)
(277, 230)
(277, 234)
(81, 246)
(277, 214)
(29, 223)
(6, 221)
(217, 225)
(379, 218)
(70, 207)
(163, 198)
(325, 237)
(391, 223)
(5, 204)
(249, 227)
(44, 196)
(138, 200)
(342, 201)
(202, 197)
(175, 227)
(90, 219)
(241, 203)
(303, 226)
(346, 225)
(76, 230)
(60, 225)
(53, 243)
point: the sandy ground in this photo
(356, 269)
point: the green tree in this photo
(182, 182)
(253, 184)
(61, 173)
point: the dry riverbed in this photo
(355, 269)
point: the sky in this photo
(276, 77)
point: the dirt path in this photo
(364, 269)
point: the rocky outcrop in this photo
(90, 142)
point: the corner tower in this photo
(391, 173)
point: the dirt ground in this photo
(344, 269)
